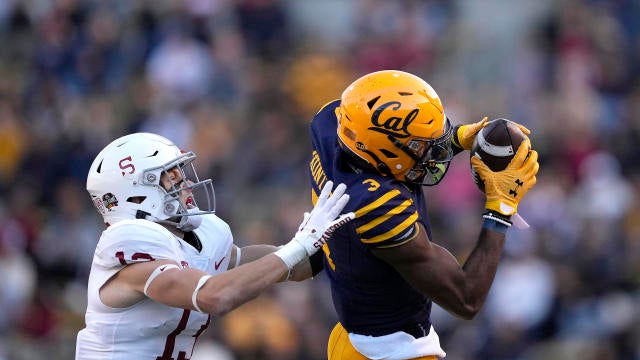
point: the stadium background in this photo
(237, 81)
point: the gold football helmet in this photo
(394, 122)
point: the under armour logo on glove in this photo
(505, 189)
(514, 192)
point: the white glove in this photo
(317, 226)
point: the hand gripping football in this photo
(495, 145)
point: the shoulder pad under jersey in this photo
(215, 235)
(131, 241)
(386, 214)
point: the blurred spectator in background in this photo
(76, 73)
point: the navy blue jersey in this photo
(369, 295)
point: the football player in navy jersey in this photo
(386, 138)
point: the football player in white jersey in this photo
(164, 263)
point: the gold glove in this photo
(505, 189)
(465, 134)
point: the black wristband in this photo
(455, 142)
(497, 217)
(317, 262)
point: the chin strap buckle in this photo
(142, 214)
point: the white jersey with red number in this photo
(148, 330)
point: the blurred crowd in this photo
(238, 82)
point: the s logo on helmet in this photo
(127, 166)
(396, 126)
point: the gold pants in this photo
(340, 347)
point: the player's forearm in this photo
(461, 290)
(300, 272)
(480, 269)
(226, 291)
(255, 252)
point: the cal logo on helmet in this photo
(394, 121)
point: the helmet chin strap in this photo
(190, 222)
(187, 222)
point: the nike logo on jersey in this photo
(162, 268)
(218, 263)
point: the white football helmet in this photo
(124, 183)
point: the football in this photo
(496, 144)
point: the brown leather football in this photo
(495, 145)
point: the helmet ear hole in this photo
(136, 199)
(349, 134)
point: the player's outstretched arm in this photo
(302, 271)
(436, 273)
(194, 289)
(219, 294)
(431, 269)
(325, 207)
